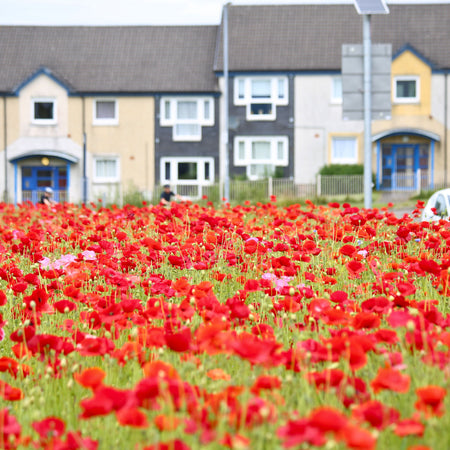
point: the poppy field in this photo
(214, 327)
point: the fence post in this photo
(319, 185)
(418, 182)
(270, 187)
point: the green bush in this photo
(342, 169)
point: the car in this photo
(438, 206)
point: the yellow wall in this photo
(359, 145)
(407, 64)
(132, 139)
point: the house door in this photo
(405, 159)
(36, 179)
(400, 165)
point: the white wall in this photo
(316, 118)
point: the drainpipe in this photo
(5, 143)
(84, 153)
(445, 126)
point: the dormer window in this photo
(43, 111)
(406, 89)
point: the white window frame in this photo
(174, 161)
(337, 160)
(106, 121)
(44, 121)
(113, 179)
(168, 116)
(334, 81)
(415, 99)
(247, 159)
(243, 86)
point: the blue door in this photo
(36, 178)
(400, 164)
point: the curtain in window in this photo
(261, 89)
(406, 88)
(344, 148)
(260, 150)
(187, 110)
(105, 109)
(207, 110)
(106, 168)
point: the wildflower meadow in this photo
(211, 327)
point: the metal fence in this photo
(282, 188)
(35, 196)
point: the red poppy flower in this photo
(10, 393)
(160, 369)
(347, 250)
(176, 444)
(338, 296)
(431, 400)
(328, 419)
(218, 374)
(3, 298)
(166, 423)
(50, 427)
(9, 429)
(365, 321)
(64, 306)
(358, 438)
(376, 413)
(179, 341)
(132, 417)
(408, 427)
(300, 431)
(90, 378)
(265, 382)
(391, 379)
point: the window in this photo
(106, 112)
(261, 154)
(187, 116)
(406, 89)
(336, 90)
(106, 169)
(261, 95)
(344, 150)
(43, 111)
(188, 170)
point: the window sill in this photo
(44, 123)
(106, 123)
(105, 181)
(406, 101)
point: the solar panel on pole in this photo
(371, 7)
(366, 8)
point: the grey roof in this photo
(309, 37)
(111, 59)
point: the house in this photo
(285, 84)
(96, 111)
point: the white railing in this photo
(35, 196)
(282, 188)
(339, 185)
